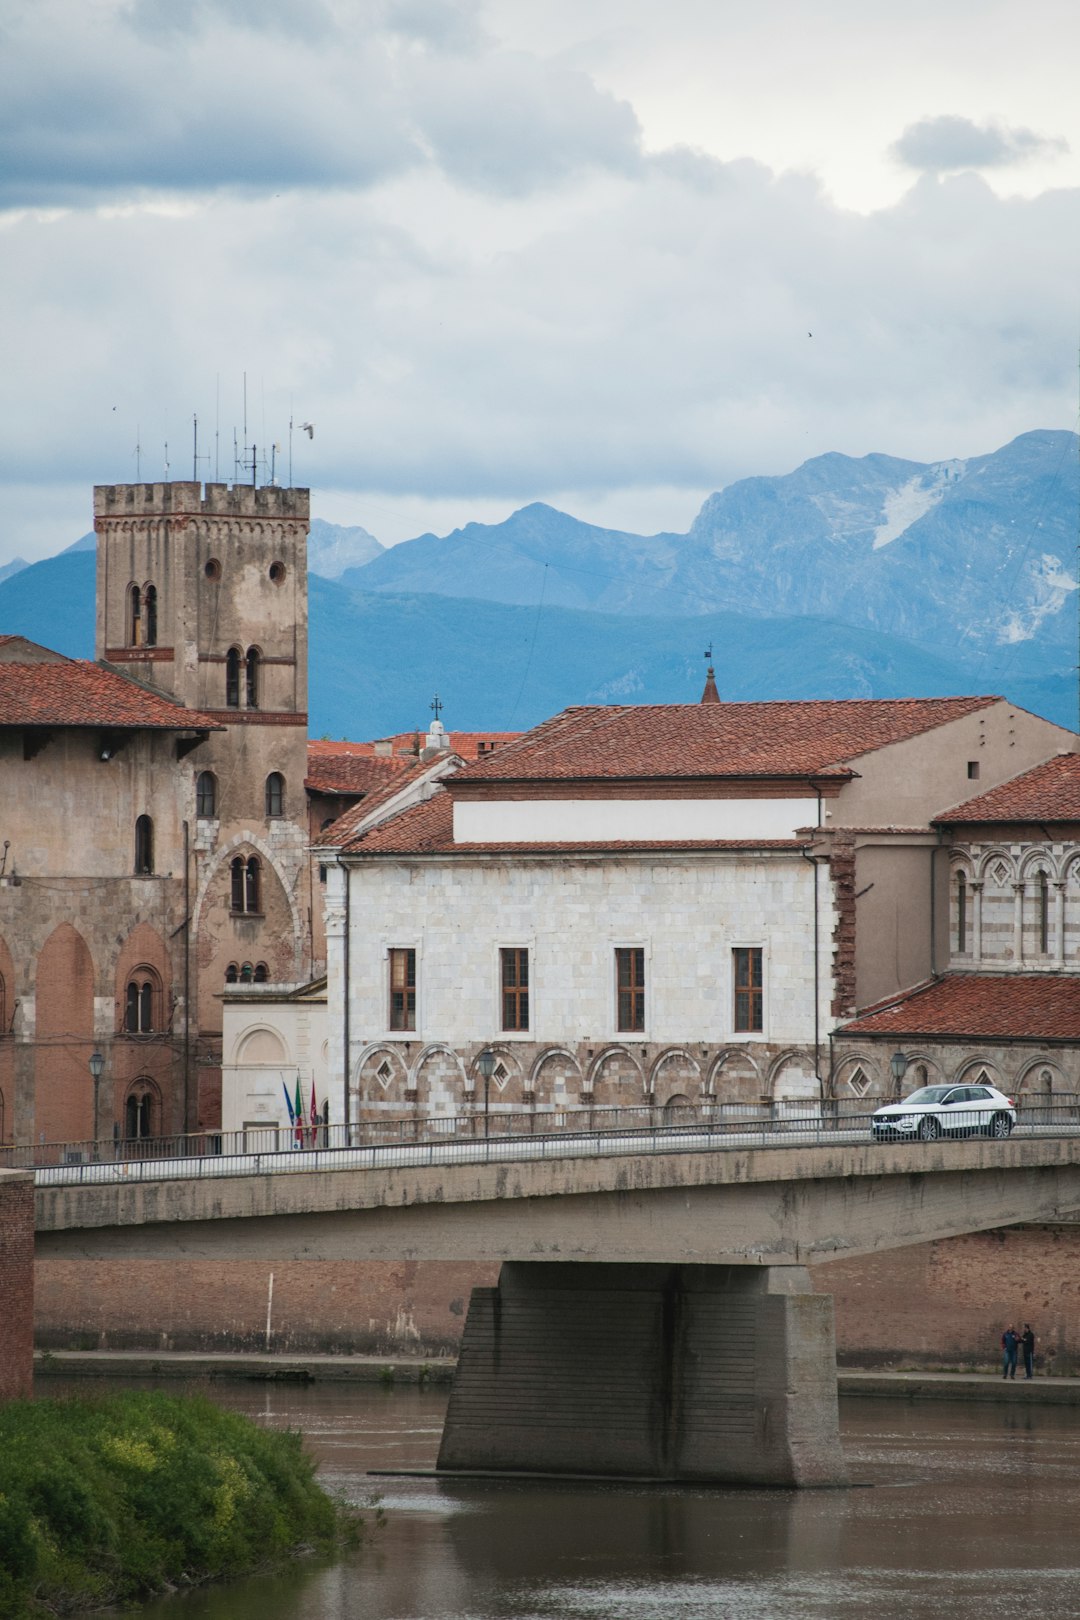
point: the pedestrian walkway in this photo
(313, 1369)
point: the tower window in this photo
(245, 884)
(277, 573)
(144, 846)
(206, 794)
(262, 974)
(140, 1112)
(150, 615)
(232, 973)
(961, 912)
(275, 794)
(251, 665)
(212, 570)
(134, 617)
(232, 678)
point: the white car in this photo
(935, 1111)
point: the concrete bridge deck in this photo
(550, 1199)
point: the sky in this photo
(610, 254)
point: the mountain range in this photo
(870, 576)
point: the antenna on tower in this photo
(138, 456)
(167, 478)
(195, 446)
(217, 426)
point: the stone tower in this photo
(202, 594)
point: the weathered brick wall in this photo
(16, 1284)
(937, 1304)
(946, 1304)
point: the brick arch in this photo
(734, 1077)
(380, 1080)
(970, 1073)
(791, 1077)
(276, 936)
(555, 1076)
(1032, 1083)
(675, 1073)
(64, 1026)
(438, 1081)
(614, 1078)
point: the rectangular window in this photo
(402, 989)
(748, 997)
(630, 980)
(514, 977)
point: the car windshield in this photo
(929, 1094)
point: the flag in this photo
(314, 1117)
(288, 1104)
(299, 1113)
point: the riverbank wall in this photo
(933, 1306)
(16, 1283)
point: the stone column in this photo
(713, 1373)
(977, 892)
(16, 1284)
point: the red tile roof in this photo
(342, 833)
(714, 739)
(428, 829)
(76, 692)
(466, 744)
(351, 774)
(1050, 792)
(1038, 1006)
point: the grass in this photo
(111, 1500)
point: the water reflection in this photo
(969, 1513)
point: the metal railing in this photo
(503, 1136)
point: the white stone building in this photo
(649, 906)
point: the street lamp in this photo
(486, 1064)
(97, 1064)
(898, 1063)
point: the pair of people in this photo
(1013, 1342)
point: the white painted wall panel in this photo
(529, 821)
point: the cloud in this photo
(212, 96)
(949, 143)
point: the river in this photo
(962, 1512)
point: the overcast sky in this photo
(612, 254)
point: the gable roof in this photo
(817, 739)
(349, 828)
(74, 692)
(1049, 792)
(348, 774)
(1004, 1006)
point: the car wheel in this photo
(929, 1130)
(1000, 1127)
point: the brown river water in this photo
(963, 1512)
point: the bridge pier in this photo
(724, 1374)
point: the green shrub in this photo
(107, 1500)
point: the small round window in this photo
(277, 573)
(213, 569)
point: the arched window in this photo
(251, 665)
(134, 627)
(232, 678)
(261, 973)
(1044, 913)
(275, 794)
(244, 875)
(247, 973)
(206, 794)
(144, 845)
(232, 973)
(140, 1112)
(142, 1002)
(961, 912)
(150, 615)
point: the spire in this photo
(710, 694)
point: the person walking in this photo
(1027, 1344)
(1010, 1343)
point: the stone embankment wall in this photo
(16, 1284)
(933, 1305)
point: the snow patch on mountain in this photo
(904, 506)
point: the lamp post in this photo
(97, 1064)
(486, 1064)
(898, 1063)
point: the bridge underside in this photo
(720, 1374)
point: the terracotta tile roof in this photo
(343, 833)
(428, 829)
(714, 739)
(1050, 792)
(76, 692)
(466, 744)
(350, 773)
(1040, 1006)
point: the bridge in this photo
(654, 1315)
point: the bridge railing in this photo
(507, 1134)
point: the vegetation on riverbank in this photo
(109, 1500)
